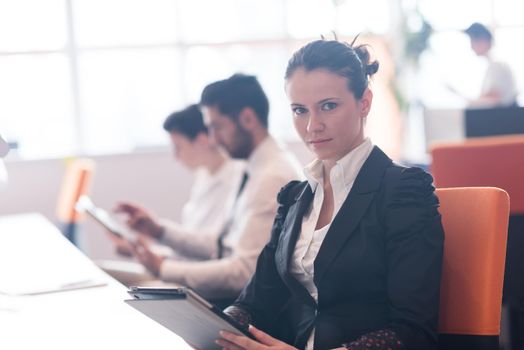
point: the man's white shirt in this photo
(205, 213)
(270, 167)
(500, 79)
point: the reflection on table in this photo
(36, 262)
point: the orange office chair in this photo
(499, 162)
(475, 223)
(76, 182)
(488, 161)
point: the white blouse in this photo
(201, 210)
(342, 177)
(194, 236)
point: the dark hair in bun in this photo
(347, 60)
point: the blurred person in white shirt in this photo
(498, 86)
(216, 182)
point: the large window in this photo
(100, 76)
(450, 73)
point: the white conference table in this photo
(34, 256)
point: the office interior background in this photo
(96, 78)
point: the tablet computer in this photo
(185, 313)
(86, 205)
(4, 147)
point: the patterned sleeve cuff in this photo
(238, 314)
(385, 339)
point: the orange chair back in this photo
(475, 223)
(489, 161)
(76, 182)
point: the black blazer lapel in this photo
(353, 209)
(288, 239)
(291, 229)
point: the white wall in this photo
(152, 179)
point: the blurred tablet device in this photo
(4, 147)
(185, 313)
(86, 205)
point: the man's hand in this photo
(264, 341)
(140, 220)
(150, 260)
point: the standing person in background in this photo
(236, 114)
(216, 182)
(354, 260)
(498, 87)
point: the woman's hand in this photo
(140, 220)
(122, 246)
(145, 255)
(264, 341)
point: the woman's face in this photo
(188, 152)
(326, 114)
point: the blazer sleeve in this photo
(264, 296)
(414, 240)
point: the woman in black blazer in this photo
(354, 260)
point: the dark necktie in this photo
(229, 222)
(245, 177)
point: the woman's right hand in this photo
(122, 246)
(140, 220)
(263, 341)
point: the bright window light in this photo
(100, 76)
(230, 20)
(126, 95)
(456, 14)
(371, 16)
(508, 12)
(310, 18)
(27, 25)
(124, 22)
(36, 109)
